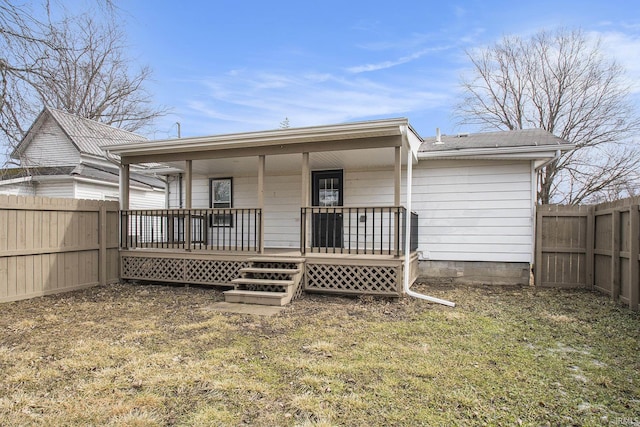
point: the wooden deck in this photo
(320, 272)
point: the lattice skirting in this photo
(201, 271)
(361, 279)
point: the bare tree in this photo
(76, 64)
(21, 37)
(563, 83)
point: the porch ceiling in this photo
(374, 158)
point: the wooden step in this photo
(263, 282)
(256, 297)
(270, 270)
(283, 260)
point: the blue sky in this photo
(232, 66)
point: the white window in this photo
(221, 197)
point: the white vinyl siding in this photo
(84, 190)
(474, 210)
(20, 189)
(138, 199)
(51, 147)
(282, 199)
(56, 189)
(468, 210)
(174, 192)
(282, 211)
(282, 204)
(368, 188)
(143, 199)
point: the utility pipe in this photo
(407, 240)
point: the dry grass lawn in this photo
(147, 355)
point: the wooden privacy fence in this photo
(596, 247)
(56, 245)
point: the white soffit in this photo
(375, 158)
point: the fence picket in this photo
(587, 246)
(55, 245)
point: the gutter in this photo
(112, 184)
(16, 180)
(554, 158)
(466, 152)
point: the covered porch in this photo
(329, 205)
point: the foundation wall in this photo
(474, 272)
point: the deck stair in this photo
(268, 281)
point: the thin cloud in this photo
(624, 48)
(260, 100)
(389, 64)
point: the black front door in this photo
(327, 192)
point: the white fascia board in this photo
(64, 178)
(414, 141)
(141, 169)
(51, 178)
(391, 127)
(524, 153)
(16, 180)
(113, 184)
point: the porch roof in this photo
(347, 136)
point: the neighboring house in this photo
(333, 200)
(61, 156)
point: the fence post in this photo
(537, 274)
(102, 241)
(634, 254)
(590, 242)
(615, 254)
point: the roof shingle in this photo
(500, 139)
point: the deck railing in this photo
(206, 229)
(356, 230)
(413, 240)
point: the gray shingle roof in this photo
(89, 135)
(12, 173)
(112, 175)
(104, 174)
(501, 139)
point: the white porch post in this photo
(188, 174)
(261, 165)
(305, 201)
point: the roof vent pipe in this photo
(438, 137)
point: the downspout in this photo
(554, 158)
(407, 239)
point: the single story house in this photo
(362, 207)
(61, 156)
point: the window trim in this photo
(221, 220)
